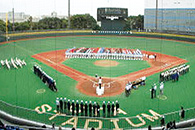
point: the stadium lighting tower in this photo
(69, 14)
(156, 21)
(13, 19)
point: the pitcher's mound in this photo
(111, 87)
(106, 63)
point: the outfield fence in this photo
(57, 33)
(83, 122)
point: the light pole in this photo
(68, 14)
(156, 20)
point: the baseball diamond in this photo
(77, 79)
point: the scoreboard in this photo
(112, 13)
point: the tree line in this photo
(78, 21)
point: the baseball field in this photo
(24, 95)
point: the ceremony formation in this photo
(104, 53)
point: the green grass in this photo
(88, 67)
(18, 87)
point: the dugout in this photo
(112, 19)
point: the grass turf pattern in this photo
(18, 87)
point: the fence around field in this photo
(57, 33)
(69, 121)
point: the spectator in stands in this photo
(182, 113)
(73, 128)
(92, 128)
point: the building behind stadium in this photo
(170, 15)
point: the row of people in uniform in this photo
(134, 85)
(105, 56)
(86, 108)
(45, 78)
(174, 73)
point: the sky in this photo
(45, 7)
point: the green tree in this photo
(2, 26)
(22, 26)
(50, 23)
(135, 22)
(83, 21)
(64, 23)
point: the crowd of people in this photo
(87, 108)
(174, 73)
(104, 53)
(134, 85)
(45, 78)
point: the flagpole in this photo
(6, 24)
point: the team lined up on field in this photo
(15, 63)
(104, 53)
(45, 78)
(86, 108)
(174, 73)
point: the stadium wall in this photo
(30, 35)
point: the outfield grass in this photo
(18, 87)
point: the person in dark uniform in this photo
(162, 121)
(82, 106)
(73, 107)
(182, 114)
(98, 110)
(117, 106)
(94, 109)
(113, 108)
(61, 105)
(90, 108)
(65, 105)
(86, 108)
(104, 108)
(152, 93)
(108, 109)
(35, 69)
(68, 106)
(77, 108)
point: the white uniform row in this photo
(13, 63)
(114, 32)
(105, 56)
